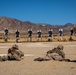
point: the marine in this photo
(54, 54)
(13, 54)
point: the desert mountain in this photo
(14, 24)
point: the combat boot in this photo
(16, 57)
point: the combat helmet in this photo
(15, 46)
(61, 47)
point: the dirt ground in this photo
(33, 50)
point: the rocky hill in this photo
(14, 24)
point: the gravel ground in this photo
(29, 67)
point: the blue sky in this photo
(40, 11)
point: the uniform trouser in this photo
(10, 57)
(54, 56)
(13, 57)
(51, 56)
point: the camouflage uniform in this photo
(54, 54)
(13, 54)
